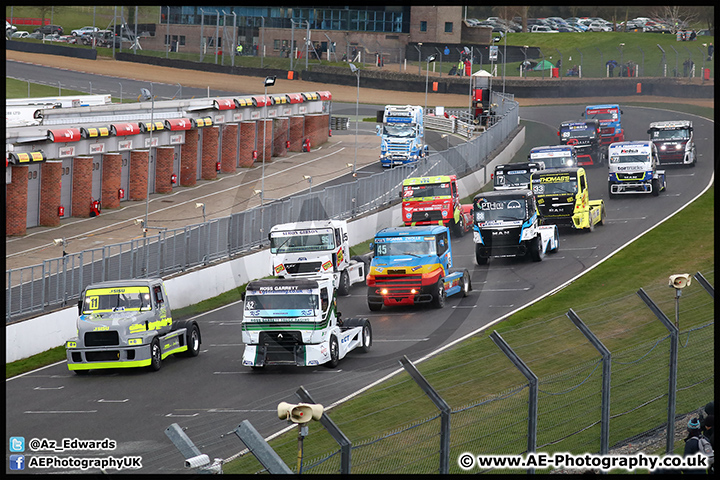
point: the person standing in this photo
(692, 444)
(238, 49)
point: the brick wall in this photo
(316, 128)
(280, 136)
(228, 152)
(188, 159)
(248, 131)
(210, 153)
(138, 174)
(16, 201)
(297, 129)
(112, 170)
(50, 181)
(265, 152)
(82, 186)
(164, 169)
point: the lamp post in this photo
(356, 71)
(429, 59)
(269, 82)
(524, 65)
(148, 95)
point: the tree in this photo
(676, 17)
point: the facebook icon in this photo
(17, 462)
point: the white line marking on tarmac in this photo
(49, 388)
(60, 411)
(464, 306)
(230, 410)
(400, 340)
(182, 415)
(505, 289)
(102, 400)
(581, 248)
(227, 344)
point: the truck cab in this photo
(402, 135)
(316, 247)
(674, 141)
(554, 156)
(609, 116)
(563, 199)
(128, 323)
(515, 175)
(412, 265)
(295, 321)
(633, 169)
(585, 137)
(435, 201)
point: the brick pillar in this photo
(50, 178)
(229, 148)
(280, 136)
(138, 174)
(16, 201)
(297, 129)
(81, 187)
(210, 153)
(164, 169)
(112, 170)
(188, 159)
(265, 151)
(248, 131)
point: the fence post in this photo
(533, 393)
(607, 364)
(260, 449)
(333, 430)
(705, 284)
(672, 381)
(442, 405)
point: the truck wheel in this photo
(193, 342)
(466, 286)
(374, 307)
(439, 295)
(459, 227)
(478, 258)
(344, 287)
(155, 355)
(655, 187)
(334, 353)
(603, 216)
(366, 336)
(694, 158)
(536, 250)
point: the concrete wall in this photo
(36, 335)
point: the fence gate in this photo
(33, 196)
(66, 187)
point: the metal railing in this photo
(60, 281)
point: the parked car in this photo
(21, 34)
(104, 38)
(82, 31)
(48, 29)
(704, 32)
(9, 28)
(599, 27)
(542, 29)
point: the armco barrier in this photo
(29, 337)
(52, 49)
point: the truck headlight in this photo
(526, 234)
(663, 147)
(678, 147)
(70, 345)
(135, 341)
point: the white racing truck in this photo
(507, 224)
(316, 247)
(294, 321)
(128, 323)
(633, 169)
(402, 135)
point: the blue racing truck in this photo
(609, 116)
(402, 135)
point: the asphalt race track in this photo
(211, 394)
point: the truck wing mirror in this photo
(80, 304)
(371, 245)
(377, 129)
(649, 131)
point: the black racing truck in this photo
(585, 136)
(512, 176)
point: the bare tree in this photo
(676, 17)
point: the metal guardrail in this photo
(59, 282)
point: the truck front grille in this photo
(398, 284)
(607, 131)
(501, 237)
(102, 356)
(101, 339)
(305, 267)
(427, 216)
(631, 176)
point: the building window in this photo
(423, 26)
(448, 27)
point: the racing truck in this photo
(563, 199)
(435, 201)
(609, 116)
(515, 175)
(316, 247)
(554, 156)
(507, 224)
(674, 142)
(128, 323)
(295, 321)
(412, 265)
(402, 135)
(585, 137)
(633, 169)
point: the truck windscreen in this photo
(554, 160)
(511, 178)
(488, 210)
(678, 134)
(431, 190)
(588, 132)
(399, 130)
(603, 114)
(283, 301)
(555, 185)
(288, 242)
(117, 299)
(397, 246)
(630, 158)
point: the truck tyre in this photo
(155, 355)
(655, 183)
(694, 152)
(365, 336)
(536, 250)
(591, 225)
(459, 227)
(374, 307)
(334, 353)
(478, 258)
(466, 286)
(82, 372)
(603, 216)
(438, 300)
(193, 341)
(344, 286)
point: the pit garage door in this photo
(176, 164)
(66, 187)
(97, 177)
(198, 173)
(151, 173)
(125, 175)
(33, 196)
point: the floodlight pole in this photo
(152, 127)
(269, 81)
(355, 70)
